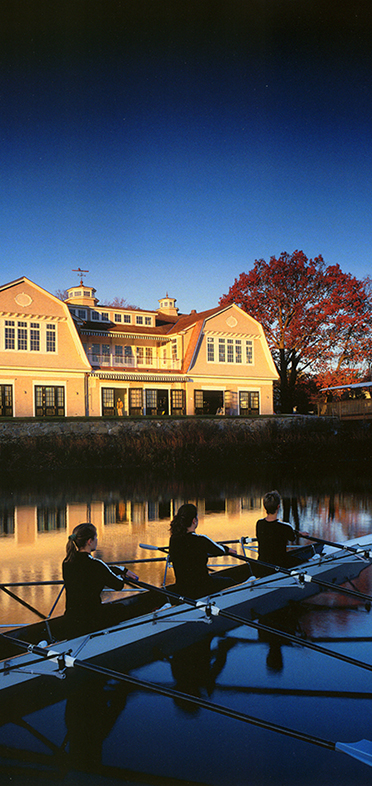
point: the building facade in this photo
(77, 358)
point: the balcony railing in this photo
(132, 362)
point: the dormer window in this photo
(105, 316)
(139, 320)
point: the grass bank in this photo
(227, 447)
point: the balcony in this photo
(131, 362)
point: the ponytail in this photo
(78, 538)
(183, 519)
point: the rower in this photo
(273, 535)
(85, 578)
(189, 554)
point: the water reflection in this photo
(196, 668)
(34, 526)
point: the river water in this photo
(125, 735)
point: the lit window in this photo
(149, 356)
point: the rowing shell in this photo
(170, 628)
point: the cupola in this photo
(167, 305)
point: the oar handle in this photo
(153, 548)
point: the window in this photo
(49, 401)
(95, 353)
(35, 337)
(178, 402)
(50, 338)
(127, 318)
(147, 320)
(9, 334)
(22, 335)
(221, 350)
(148, 354)
(249, 352)
(117, 317)
(135, 401)
(151, 399)
(249, 402)
(139, 320)
(174, 349)
(108, 398)
(140, 356)
(118, 355)
(86, 293)
(105, 354)
(95, 315)
(105, 316)
(210, 350)
(198, 402)
(238, 351)
(6, 401)
(230, 350)
(82, 313)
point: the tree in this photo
(119, 302)
(62, 294)
(314, 317)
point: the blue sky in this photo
(164, 146)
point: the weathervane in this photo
(82, 273)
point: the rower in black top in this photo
(85, 578)
(189, 554)
(273, 534)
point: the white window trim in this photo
(226, 362)
(42, 330)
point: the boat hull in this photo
(159, 633)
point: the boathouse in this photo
(79, 358)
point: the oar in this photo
(306, 578)
(361, 750)
(154, 548)
(212, 610)
(342, 546)
(303, 576)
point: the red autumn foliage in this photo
(316, 318)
